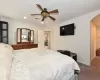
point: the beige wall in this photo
(96, 20)
(14, 24)
(93, 40)
(78, 43)
(98, 37)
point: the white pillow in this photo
(3, 46)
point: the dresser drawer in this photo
(24, 46)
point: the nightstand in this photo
(74, 56)
(65, 52)
(68, 53)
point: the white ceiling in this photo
(68, 9)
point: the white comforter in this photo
(42, 65)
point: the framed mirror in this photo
(18, 35)
(25, 35)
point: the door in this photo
(47, 41)
(3, 32)
(40, 39)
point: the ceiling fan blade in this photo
(43, 19)
(35, 14)
(39, 6)
(54, 11)
(52, 18)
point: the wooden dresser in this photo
(24, 46)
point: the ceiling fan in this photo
(45, 13)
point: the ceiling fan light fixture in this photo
(45, 13)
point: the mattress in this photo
(34, 64)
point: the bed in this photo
(36, 64)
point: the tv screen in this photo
(67, 30)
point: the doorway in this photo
(95, 41)
(47, 39)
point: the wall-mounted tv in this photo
(67, 29)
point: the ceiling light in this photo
(25, 17)
(42, 22)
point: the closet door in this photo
(40, 39)
(4, 32)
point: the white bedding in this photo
(34, 64)
(6, 53)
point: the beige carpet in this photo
(89, 73)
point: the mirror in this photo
(25, 35)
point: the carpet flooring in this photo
(88, 73)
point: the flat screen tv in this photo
(67, 30)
